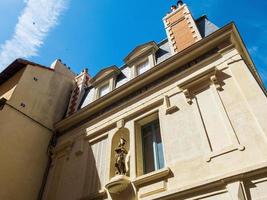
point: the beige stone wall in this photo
(37, 98)
(23, 155)
(45, 99)
(214, 141)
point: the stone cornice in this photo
(177, 62)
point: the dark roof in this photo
(15, 66)
(205, 26)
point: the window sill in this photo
(152, 176)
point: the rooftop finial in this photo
(180, 3)
(173, 7)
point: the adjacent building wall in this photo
(36, 98)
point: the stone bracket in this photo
(168, 108)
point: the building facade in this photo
(184, 118)
(32, 99)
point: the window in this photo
(148, 143)
(142, 67)
(152, 147)
(103, 90)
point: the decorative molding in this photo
(105, 74)
(80, 144)
(152, 85)
(168, 108)
(81, 82)
(209, 77)
(155, 190)
(226, 150)
(237, 190)
(235, 144)
(246, 172)
(188, 96)
(118, 184)
(95, 139)
(120, 124)
(92, 111)
(141, 51)
(215, 81)
(194, 79)
(65, 148)
(153, 176)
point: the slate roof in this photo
(164, 52)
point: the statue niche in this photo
(120, 157)
(120, 153)
(119, 185)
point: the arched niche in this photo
(125, 134)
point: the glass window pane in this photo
(143, 67)
(160, 156)
(159, 150)
(152, 147)
(103, 90)
(148, 152)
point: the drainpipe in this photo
(51, 145)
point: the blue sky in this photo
(96, 34)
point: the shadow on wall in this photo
(96, 168)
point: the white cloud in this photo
(36, 20)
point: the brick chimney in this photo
(181, 28)
(81, 83)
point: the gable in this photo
(141, 50)
(105, 74)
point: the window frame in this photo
(106, 84)
(140, 64)
(139, 149)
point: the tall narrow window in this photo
(142, 67)
(103, 90)
(152, 147)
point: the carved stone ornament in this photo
(215, 81)
(120, 157)
(188, 96)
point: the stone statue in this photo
(120, 157)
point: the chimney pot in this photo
(173, 8)
(180, 3)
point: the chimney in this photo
(81, 83)
(180, 27)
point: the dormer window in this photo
(142, 58)
(104, 81)
(142, 67)
(103, 90)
